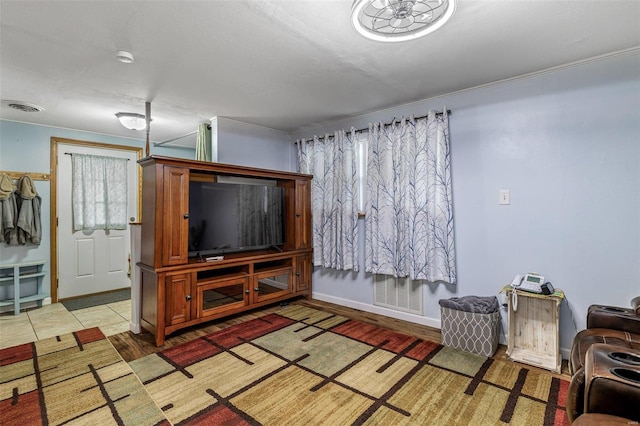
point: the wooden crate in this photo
(533, 334)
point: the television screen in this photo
(231, 217)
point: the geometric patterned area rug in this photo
(306, 367)
(76, 378)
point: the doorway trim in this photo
(55, 141)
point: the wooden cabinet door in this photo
(303, 273)
(303, 214)
(175, 216)
(177, 298)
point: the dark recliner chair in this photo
(605, 364)
(607, 324)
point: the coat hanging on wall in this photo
(8, 210)
(20, 207)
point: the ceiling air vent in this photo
(23, 106)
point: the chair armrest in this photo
(635, 304)
(575, 395)
(612, 381)
(613, 318)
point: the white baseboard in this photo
(405, 316)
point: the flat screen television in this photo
(233, 217)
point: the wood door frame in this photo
(55, 141)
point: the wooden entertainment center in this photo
(179, 291)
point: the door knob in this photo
(186, 216)
(188, 297)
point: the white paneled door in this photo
(96, 261)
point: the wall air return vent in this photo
(23, 106)
(400, 294)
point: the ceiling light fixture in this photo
(124, 56)
(132, 121)
(399, 20)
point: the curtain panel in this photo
(409, 207)
(334, 197)
(99, 197)
(203, 143)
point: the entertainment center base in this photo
(179, 291)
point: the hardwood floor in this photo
(133, 346)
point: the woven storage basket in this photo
(471, 332)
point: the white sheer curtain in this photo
(334, 197)
(99, 196)
(409, 209)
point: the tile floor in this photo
(55, 319)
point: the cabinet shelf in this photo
(220, 273)
(270, 269)
(32, 298)
(20, 274)
(217, 278)
(9, 278)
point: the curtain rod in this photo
(71, 153)
(387, 124)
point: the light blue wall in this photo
(567, 144)
(26, 147)
(250, 145)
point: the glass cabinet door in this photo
(270, 284)
(220, 296)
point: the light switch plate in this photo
(505, 197)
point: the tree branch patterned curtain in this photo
(409, 209)
(334, 198)
(99, 196)
(203, 143)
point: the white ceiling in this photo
(287, 65)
